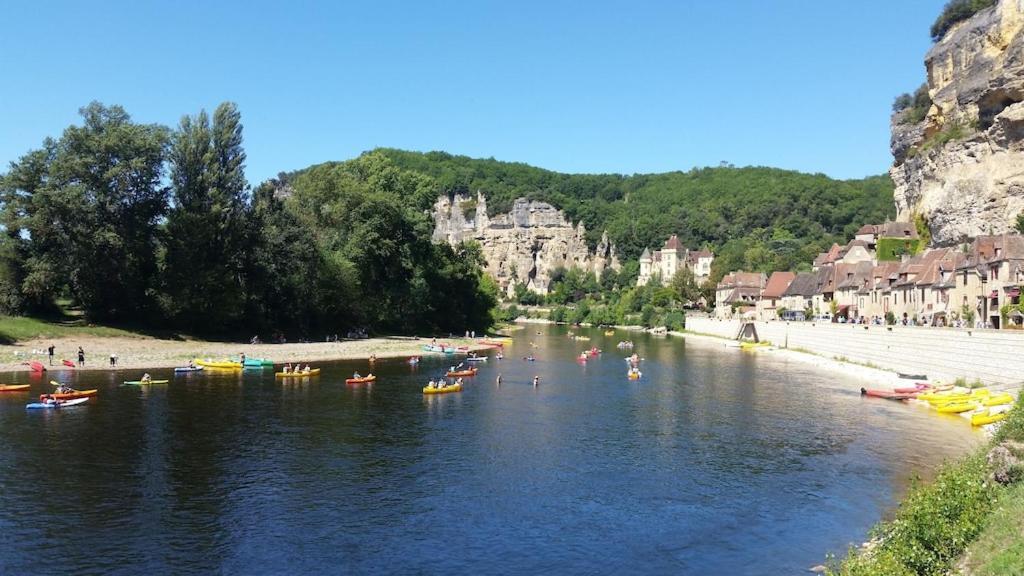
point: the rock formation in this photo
(524, 246)
(962, 167)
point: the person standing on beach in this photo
(113, 359)
(50, 351)
(81, 356)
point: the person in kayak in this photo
(192, 364)
(356, 376)
(241, 357)
(536, 381)
(373, 358)
(146, 377)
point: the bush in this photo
(957, 11)
(674, 320)
(890, 318)
(891, 249)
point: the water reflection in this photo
(716, 461)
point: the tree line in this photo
(145, 225)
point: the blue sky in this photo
(578, 86)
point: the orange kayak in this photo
(362, 380)
(69, 395)
(13, 387)
(470, 372)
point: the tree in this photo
(685, 286)
(87, 207)
(1019, 227)
(206, 229)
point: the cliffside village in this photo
(975, 285)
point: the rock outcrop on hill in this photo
(962, 167)
(524, 246)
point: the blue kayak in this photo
(188, 369)
(58, 404)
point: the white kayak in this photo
(57, 404)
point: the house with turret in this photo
(662, 265)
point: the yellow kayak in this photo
(986, 418)
(997, 400)
(956, 407)
(609, 332)
(443, 389)
(222, 364)
(312, 372)
(944, 397)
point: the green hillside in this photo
(755, 218)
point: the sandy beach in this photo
(142, 352)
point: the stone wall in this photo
(993, 356)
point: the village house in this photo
(799, 296)
(742, 289)
(771, 296)
(663, 264)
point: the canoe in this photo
(997, 400)
(888, 394)
(52, 405)
(443, 390)
(37, 366)
(956, 407)
(69, 395)
(986, 418)
(141, 383)
(456, 373)
(477, 359)
(257, 363)
(188, 369)
(363, 380)
(221, 364)
(68, 363)
(312, 372)
(14, 387)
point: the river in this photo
(716, 461)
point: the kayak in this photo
(37, 366)
(68, 363)
(494, 343)
(917, 388)
(609, 333)
(13, 387)
(60, 404)
(885, 394)
(456, 373)
(141, 383)
(312, 372)
(477, 359)
(986, 418)
(257, 362)
(956, 407)
(69, 395)
(363, 380)
(188, 369)
(997, 400)
(442, 390)
(222, 364)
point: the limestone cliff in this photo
(962, 167)
(524, 246)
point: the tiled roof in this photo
(777, 284)
(804, 284)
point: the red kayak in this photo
(889, 394)
(68, 363)
(37, 366)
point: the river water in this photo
(716, 462)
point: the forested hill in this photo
(755, 218)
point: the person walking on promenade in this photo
(81, 357)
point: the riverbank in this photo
(155, 353)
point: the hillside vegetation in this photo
(754, 218)
(956, 11)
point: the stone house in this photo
(771, 296)
(799, 295)
(740, 288)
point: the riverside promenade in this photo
(996, 357)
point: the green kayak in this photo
(257, 362)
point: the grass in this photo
(961, 511)
(19, 328)
(1000, 549)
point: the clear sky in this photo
(583, 86)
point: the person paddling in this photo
(536, 381)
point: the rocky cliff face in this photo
(524, 246)
(962, 167)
